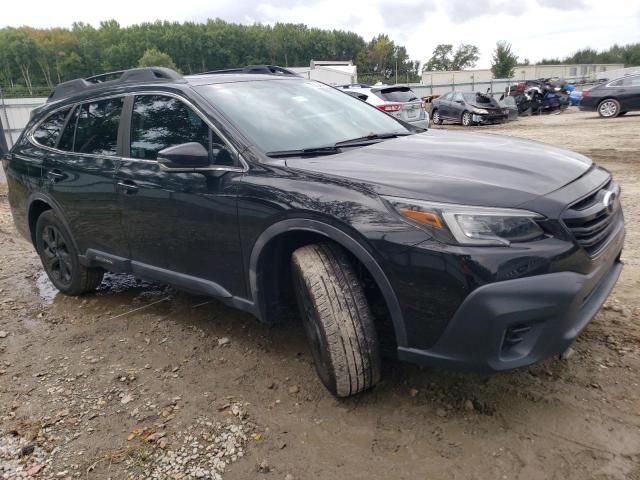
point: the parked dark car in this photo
(475, 251)
(467, 108)
(614, 98)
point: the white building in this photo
(330, 72)
(522, 72)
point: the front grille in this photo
(594, 218)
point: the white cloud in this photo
(536, 28)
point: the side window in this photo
(158, 122)
(458, 97)
(631, 81)
(447, 96)
(48, 132)
(97, 130)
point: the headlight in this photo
(470, 225)
(480, 111)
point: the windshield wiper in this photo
(333, 149)
(302, 152)
(369, 138)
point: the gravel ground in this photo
(142, 381)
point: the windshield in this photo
(297, 114)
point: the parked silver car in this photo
(397, 100)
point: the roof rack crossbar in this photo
(133, 75)
(262, 69)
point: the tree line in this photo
(504, 60)
(627, 54)
(31, 58)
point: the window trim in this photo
(127, 113)
(244, 166)
(34, 129)
(74, 106)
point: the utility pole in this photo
(396, 67)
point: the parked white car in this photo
(397, 100)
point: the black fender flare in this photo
(55, 206)
(347, 242)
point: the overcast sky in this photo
(536, 28)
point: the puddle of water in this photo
(46, 290)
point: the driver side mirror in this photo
(185, 155)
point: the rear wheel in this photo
(609, 108)
(60, 257)
(435, 116)
(466, 119)
(336, 318)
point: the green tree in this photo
(31, 57)
(381, 60)
(504, 61)
(444, 58)
(155, 58)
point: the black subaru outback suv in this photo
(270, 191)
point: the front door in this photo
(181, 226)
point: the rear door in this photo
(444, 105)
(79, 173)
(181, 226)
(630, 93)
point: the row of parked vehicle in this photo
(551, 95)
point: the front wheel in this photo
(60, 257)
(466, 119)
(336, 318)
(609, 108)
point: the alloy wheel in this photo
(608, 108)
(56, 256)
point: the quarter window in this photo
(97, 130)
(48, 132)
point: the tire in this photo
(435, 117)
(337, 319)
(609, 108)
(60, 257)
(466, 119)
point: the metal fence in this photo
(15, 114)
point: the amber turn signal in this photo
(427, 218)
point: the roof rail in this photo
(133, 75)
(263, 69)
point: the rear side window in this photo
(48, 132)
(397, 94)
(159, 122)
(97, 129)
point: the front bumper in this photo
(513, 323)
(488, 119)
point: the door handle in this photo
(55, 175)
(128, 186)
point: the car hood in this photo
(455, 167)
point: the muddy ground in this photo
(142, 381)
